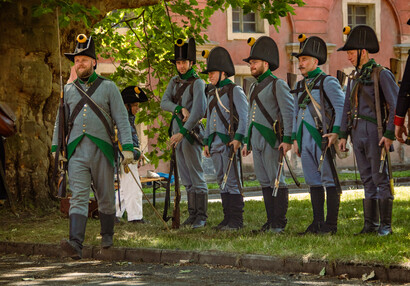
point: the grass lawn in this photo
(289, 180)
(344, 246)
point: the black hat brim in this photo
(130, 96)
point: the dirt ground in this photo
(38, 270)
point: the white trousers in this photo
(130, 195)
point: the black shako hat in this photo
(360, 37)
(264, 49)
(185, 51)
(132, 94)
(85, 47)
(313, 47)
(218, 59)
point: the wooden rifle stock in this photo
(341, 77)
(176, 212)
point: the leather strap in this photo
(81, 103)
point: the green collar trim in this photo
(314, 73)
(264, 75)
(370, 63)
(224, 82)
(91, 79)
(189, 74)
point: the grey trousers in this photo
(189, 162)
(310, 157)
(88, 163)
(367, 151)
(220, 158)
(265, 160)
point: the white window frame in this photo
(244, 36)
(377, 13)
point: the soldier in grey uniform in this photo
(308, 129)
(360, 121)
(90, 151)
(271, 109)
(185, 98)
(226, 126)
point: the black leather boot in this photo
(201, 203)
(107, 229)
(386, 209)
(225, 207)
(371, 216)
(236, 206)
(280, 209)
(191, 209)
(333, 204)
(74, 246)
(268, 199)
(317, 197)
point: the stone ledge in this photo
(394, 273)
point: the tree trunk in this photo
(30, 85)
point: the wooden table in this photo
(156, 183)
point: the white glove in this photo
(128, 157)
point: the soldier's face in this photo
(258, 67)
(134, 108)
(307, 64)
(214, 77)
(84, 66)
(183, 66)
(352, 57)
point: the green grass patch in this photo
(344, 246)
(289, 181)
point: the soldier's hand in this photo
(332, 138)
(296, 148)
(236, 145)
(206, 151)
(185, 114)
(128, 157)
(399, 131)
(342, 144)
(245, 151)
(285, 147)
(175, 139)
(386, 142)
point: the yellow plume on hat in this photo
(251, 41)
(205, 54)
(346, 30)
(81, 38)
(302, 38)
(179, 42)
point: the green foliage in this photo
(140, 43)
(68, 11)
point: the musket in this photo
(395, 68)
(128, 170)
(341, 77)
(168, 191)
(384, 153)
(61, 165)
(278, 131)
(228, 168)
(176, 212)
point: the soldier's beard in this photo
(257, 72)
(85, 73)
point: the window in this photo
(360, 15)
(362, 12)
(243, 26)
(243, 23)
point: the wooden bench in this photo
(156, 184)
